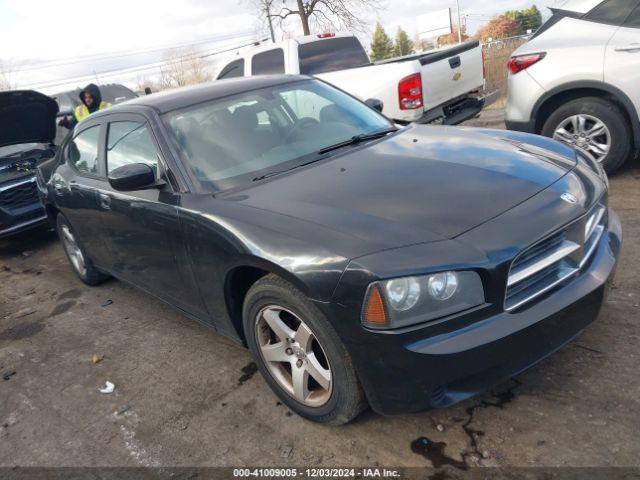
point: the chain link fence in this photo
(496, 57)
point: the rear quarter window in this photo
(268, 63)
(330, 55)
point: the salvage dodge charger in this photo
(360, 263)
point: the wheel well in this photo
(238, 283)
(549, 105)
(52, 213)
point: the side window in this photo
(82, 151)
(269, 62)
(634, 19)
(130, 142)
(612, 12)
(234, 69)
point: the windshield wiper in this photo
(279, 172)
(352, 141)
(356, 139)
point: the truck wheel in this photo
(299, 353)
(78, 258)
(595, 125)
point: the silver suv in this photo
(578, 79)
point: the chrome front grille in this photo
(19, 194)
(554, 259)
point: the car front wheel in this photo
(299, 353)
(594, 125)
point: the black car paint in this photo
(389, 208)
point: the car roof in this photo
(186, 96)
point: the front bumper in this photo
(408, 373)
(20, 207)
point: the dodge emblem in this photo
(567, 197)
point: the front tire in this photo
(596, 125)
(299, 353)
(78, 258)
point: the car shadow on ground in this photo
(27, 242)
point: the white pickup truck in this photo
(441, 86)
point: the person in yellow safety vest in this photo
(90, 101)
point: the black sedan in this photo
(360, 263)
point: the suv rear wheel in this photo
(300, 354)
(594, 125)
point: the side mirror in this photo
(135, 176)
(375, 104)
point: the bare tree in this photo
(320, 14)
(183, 67)
(5, 77)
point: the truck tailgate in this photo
(450, 73)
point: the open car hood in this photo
(27, 116)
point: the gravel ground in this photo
(186, 396)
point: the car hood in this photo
(420, 185)
(27, 117)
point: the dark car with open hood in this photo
(27, 133)
(360, 263)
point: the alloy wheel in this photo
(587, 133)
(293, 355)
(73, 250)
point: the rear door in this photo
(622, 60)
(141, 228)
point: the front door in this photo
(142, 228)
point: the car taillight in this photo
(522, 62)
(410, 92)
(326, 35)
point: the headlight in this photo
(409, 300)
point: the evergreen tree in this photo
(527, 19)
(403, 45)
(381, 44)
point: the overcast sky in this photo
(52, 45)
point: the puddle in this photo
(435, 453)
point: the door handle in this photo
(104, 200)
(455, 62)
(633, 47)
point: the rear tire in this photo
(273, 308)
(78, 258)
(617, 130)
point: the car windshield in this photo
(232, 141)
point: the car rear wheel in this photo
(78, 258)
(299, 353)
(594, 125)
